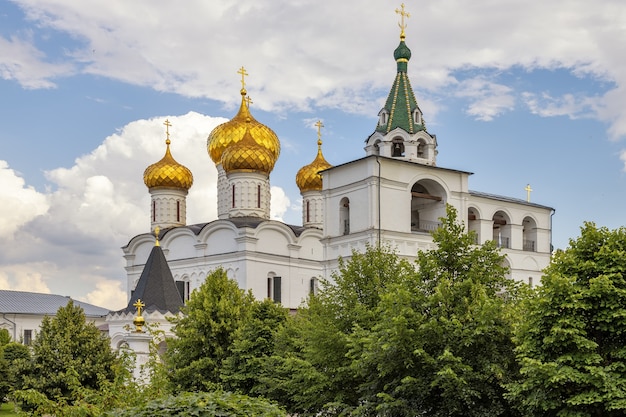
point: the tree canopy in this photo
(205, 333)
(572, 341)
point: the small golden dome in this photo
(168, 173)
(231, 132)
(248, 155)
(308, 177)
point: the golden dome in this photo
(248, 155)
(231, 132)
(308, 177)
(168, 173)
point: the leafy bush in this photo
(205, 404)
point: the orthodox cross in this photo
(167, 129)
(243, 73)
(402, 14)
(248, 101)
(157, 230)
(528, 190)
(319, 125)
(139, 305)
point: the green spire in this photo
(401, 104)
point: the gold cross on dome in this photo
(167, 128)
(319, 125)
(402, 14)
(528, 190)
(157, 230)
(248, 101)
(139, 305)
(243, 73)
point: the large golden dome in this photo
(168, 173)
(231, 132)
(248, 155)
(308, 177)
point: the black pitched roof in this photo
(156, 287)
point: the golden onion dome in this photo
(308, 177)
(248, 155)
(231, 132)
(168, 173)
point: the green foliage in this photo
(572, 341)
(5, 337)
(442, 344)
(253, 343)
(208, 404)
(14, 366)
(72, 362)
(205, 333)
(310, 372)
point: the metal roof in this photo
(22, 302)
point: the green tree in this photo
(205, 333)
(572, 341)
(442, 344)
(14, 366)
(254, 342)
(69, 356)
(310, 372)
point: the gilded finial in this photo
(167, 131)
(319, 125)
(139, 321)
(402, 24)
(157, 230)
(243, 73)
(248, 100)
(528, 190)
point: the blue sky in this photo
(517, 92)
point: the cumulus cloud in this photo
(67, 240)
(27, 277)
(19, 203)
(279, 203)
(173, 56)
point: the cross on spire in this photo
(528, 190)
(248, 100)
(167, 130)
(402, 24)
(319, 125)
(139, 305)
(243, 73)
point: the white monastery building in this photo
(394, 195)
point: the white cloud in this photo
(568, 105)
(21, 61)
(27, 277)
(109, 294)
(279, 204)
(19, 203)
(488, 99)
(195, 50)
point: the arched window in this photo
(274, 287)
(529, 233)
(178, 210)
(427, 205)
(502, 229)
(344, 216)
(313, 286)
(397, 147)
(473, 224)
